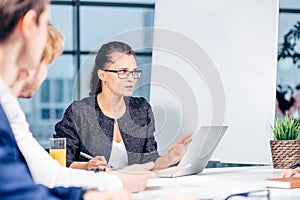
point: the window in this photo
(59, 113)
(86, 25)
(45, 92)
(45, 113)
(288, 73)
(59, 90)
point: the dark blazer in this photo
(15, 179)
(88, 130)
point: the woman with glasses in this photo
(110, 125)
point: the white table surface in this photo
(216, 183)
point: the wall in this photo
(214, 62)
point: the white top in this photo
(118, 157)
(44, 169)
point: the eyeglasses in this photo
(124, 74)
(255, 195)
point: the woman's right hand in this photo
(96, 162)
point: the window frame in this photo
(76, 52)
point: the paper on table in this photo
(167, 172)
(170, 170)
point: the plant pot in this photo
(285, 153)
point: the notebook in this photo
(288, 183)
(203, 145)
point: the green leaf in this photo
(286, 129)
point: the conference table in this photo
(216, 183)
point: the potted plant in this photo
(285, 147)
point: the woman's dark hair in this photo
(11, 11)
(106, 56)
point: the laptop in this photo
(203, 145)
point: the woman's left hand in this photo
(174, 153)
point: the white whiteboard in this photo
(214, 62)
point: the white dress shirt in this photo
(44, 169)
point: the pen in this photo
(96, 170)
(91, 157)
(86, 155)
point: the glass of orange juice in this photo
(58, 150)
